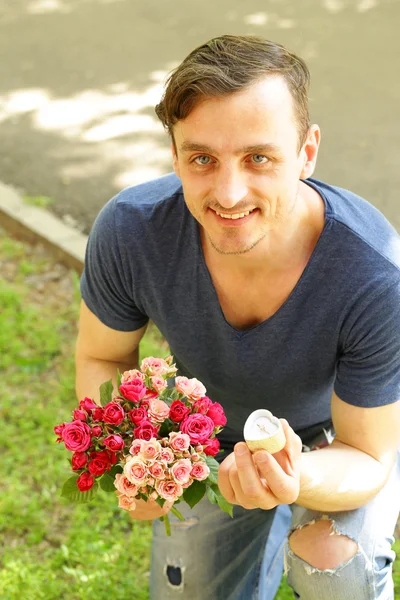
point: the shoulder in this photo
(146, 196)
(362, 222)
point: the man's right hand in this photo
(145, 511)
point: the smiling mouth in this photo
(234, 216)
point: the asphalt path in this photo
(79, 80)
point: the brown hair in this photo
(228, 64)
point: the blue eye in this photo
(256, 158)
(202, 160)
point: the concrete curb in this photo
(35, 224)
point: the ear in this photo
(175, 163)
(309, 151)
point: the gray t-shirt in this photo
(339, 328)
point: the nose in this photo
(230, 186)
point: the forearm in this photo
(339, 477)
(91, 373)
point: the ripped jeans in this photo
(214, 557)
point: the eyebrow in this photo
(255, 148)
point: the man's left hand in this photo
(262, 480)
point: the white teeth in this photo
(235, 216)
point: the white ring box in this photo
(263, 431)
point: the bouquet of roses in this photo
(151, 442)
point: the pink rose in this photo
(126, 502)
(96, 431)
(115, 443)
(58, 430)
(85, 481)
(158, 383)
(99, 463)
(151, 449)
(137, 415)
(180, 471)
(198, 427)
(216, 413)
(87, 404)
(136, 471)
(202, 405)
(157, 470)
(179, 442)
(167, 456)
(130, 375)
(136, 447)
(158, 411)
(178, 411)
(155, 366)
(97, 414)
(193, 389)
(79, 460)
(133, 390)
(170, 490)
(200, 471)
(211, 447)
(76, 436)
(80, 415)
(113, 413)
(124, 486)
(145, 431)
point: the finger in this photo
(251, 487)
(224, 482)
(289, 456)
(284, 487)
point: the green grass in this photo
(49, 549)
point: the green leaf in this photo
(222, 503)
(211, 495)
(165, 428)
(106, 391)
(213, 466)
(194, 493)
(107, 483)
(71, 492)
(118, 380)
(114, 470)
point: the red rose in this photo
(178, 411)
(85, 481)
(58, 430)
(133, 390)
(216, 413)
(211, 447)
(113, 413)
(99, 463)
(145, 431)
(76, 436)
(137, 415)
(97, 430)
(80, 415)
(198, 427)
(115, 443)
(98, 414)
(87, 404)
(202, 405)
(79, 460)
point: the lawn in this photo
(50, 549)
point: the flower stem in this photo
(177, 513)
(167, 525)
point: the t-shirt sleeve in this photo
(368, 370)
(106, 282)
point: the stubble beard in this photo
(243, 250)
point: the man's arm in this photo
(353, 469)
(100, 351)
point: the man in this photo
(277, 291)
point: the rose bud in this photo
(98, 414)
(80, 415)
(87, 404)
(85, 482)
(79, 460)
(96, 431)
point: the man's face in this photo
(238, 159)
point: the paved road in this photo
(79, 79)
